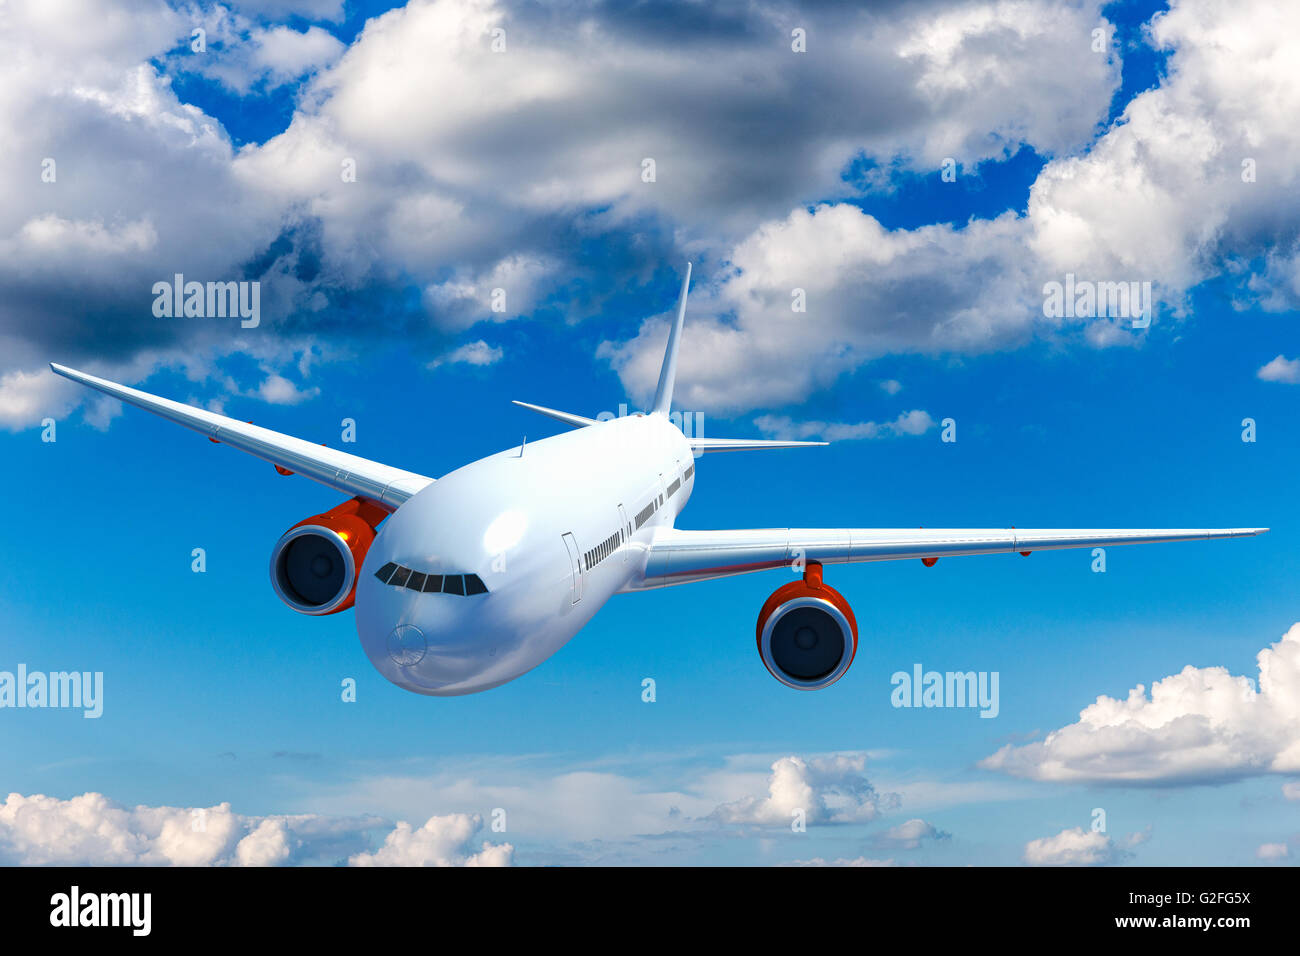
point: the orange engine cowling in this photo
(315, 563)
(807, 634)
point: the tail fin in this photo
(668, 373)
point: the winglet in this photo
(668, 373)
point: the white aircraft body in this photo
(464, 583)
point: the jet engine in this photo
(315, 563)
(807, 634)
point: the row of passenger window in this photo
(644, 514)
(400, 577)
(603, 550)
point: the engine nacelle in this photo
(315, 563)
(807, 634)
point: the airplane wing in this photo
(679, 557)
(358, 477)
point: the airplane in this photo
(469, 581)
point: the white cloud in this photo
(1273, 851)
(538, 143)
(247, 58)
(266, 845)
(278, 390)
(909, 834)
(286, 54)
(1291, 790)
(868, 291)
(1075, 847)
(860, 861)
(472, 353)
(91, 830)
(28, 397)
(506, 290)
(1159, 197)
(616, 811)
(824, 789)
(915, 422)
(440, 842)
(1281, 369)
(1199, 725)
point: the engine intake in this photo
(314, 564)
(807, 634)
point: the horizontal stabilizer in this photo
(747, 444)
(568, 418)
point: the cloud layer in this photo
(92, 830)
(1201, 725)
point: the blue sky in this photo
(216, 693)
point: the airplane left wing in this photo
(679, 557)
(359, 477)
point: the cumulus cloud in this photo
(915, 422)
(532, 154)
(278, 390)
(1291, 790)
(1281, 369)
(824, 789)
(1201, 725)
(1273, 851)
(867, 291)
(909, 834)
(91, 830)
(472, 353)
(1195, 179)
(1078, 847)
(860, 861)
(246, 57)
(440, 842)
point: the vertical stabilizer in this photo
(668, 373)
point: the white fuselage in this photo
(552, 531)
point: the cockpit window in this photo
(397, 576)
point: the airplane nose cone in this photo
(441, 645)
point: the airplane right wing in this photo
(386, 486)
(680, 557)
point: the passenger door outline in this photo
(575, 564)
